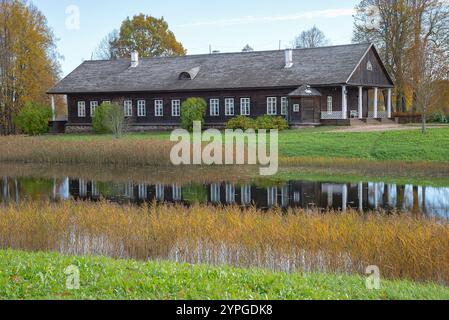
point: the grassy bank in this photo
(154, 148)
(41, 276)
(403, 246)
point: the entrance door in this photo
(308, 110)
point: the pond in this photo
(363, 196)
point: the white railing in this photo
(380, 115)
(331, 115)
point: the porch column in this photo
(344, 102)
(376, 102)
(361, 196)
(344, 205)
(389, 103)
(53, 107)
(360, 102)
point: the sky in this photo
(80, 25)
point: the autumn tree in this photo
(147, 35)
(411, 36)
(28, 60)
(311, 38)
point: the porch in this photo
(359, 103)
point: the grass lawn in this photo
(408, 145)
(41, 276)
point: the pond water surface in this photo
(363, 196)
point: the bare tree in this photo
(106, 49)
(311, 38)
(247, 48)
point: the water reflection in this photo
(430, 201)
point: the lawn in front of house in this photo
(407, 145)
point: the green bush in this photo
(438, 117)
(98, 120)
(33, 119)
(270, 122)
(193, 109)
(241, 122)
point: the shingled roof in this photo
(315, 66)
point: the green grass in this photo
(41, 276)
(408, 145)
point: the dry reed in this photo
(403, 246)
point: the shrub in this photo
(270, 122)
(33, 119)
(241, 122)
(98, 122)
(114, 120)
(438, 117)
(193, 109)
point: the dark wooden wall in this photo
(258, 104)
(377, 77)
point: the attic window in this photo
(190, 74)
(369, 66)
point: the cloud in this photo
(330, 13)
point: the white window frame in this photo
(214, 107)
(176, 108)
(369, 66)
(106, 102)
(296, 108)
(330, 104)
(245, 106)
(141, 108)
(284, 106)
(81, 109)
(159, 108)
(272, 109)
(93, 107)
(229, 107)
(128, 108)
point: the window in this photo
(106, 101)
(141, 108)
(229, 107)
(176, 108)
(159, 108)
(215, 193)
(246, 195)
(93, 107)
(369, 66)
(329, 105)
(81, 109)
(245, 106)
(296, 108)
(284, 106)
(128, 108)
(272, 106)
(214, 107)
(230, 194)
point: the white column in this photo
(361, 196)
(345, 198)
(389, 103)
(376, 102)
(344, 102)
(53, 107)
(360, 102)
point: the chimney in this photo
(134, 59)
(288, 58)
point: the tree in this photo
(114, 119)
(193, 109)
(98, 120)
(106, 50)
(406, 32)
(28, 59)
(247, 48)
(147, 35)
(311, 38)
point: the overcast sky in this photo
(227, 25)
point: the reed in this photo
(402, 246)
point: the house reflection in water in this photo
(293, 194)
